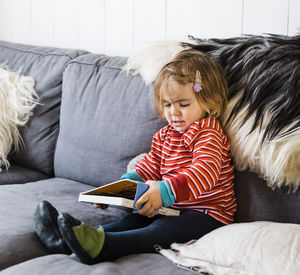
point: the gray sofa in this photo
(93, 118)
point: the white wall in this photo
(120, 27)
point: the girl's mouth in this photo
(178, 123)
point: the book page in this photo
(122, 188)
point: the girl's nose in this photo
(174, 110)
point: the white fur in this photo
(134, 162)
(17, 100)
(277, 160)
(149, 61)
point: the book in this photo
(121, 193)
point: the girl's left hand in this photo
(151, 200)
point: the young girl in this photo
(188, 168)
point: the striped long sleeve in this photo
(197, 166)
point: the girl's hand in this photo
(99, 205)
(151, 200)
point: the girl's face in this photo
(181, 108)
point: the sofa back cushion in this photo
(107, 118)
(258, 202)
(45, 65)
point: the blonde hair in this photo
(183, 69)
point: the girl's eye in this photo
(167, 105)
(184, 105)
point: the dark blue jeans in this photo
(139, 234)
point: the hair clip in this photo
(197, 85)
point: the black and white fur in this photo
(263, 115)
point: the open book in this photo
(121, 193)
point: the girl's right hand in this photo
(99, 205)
(151, 200)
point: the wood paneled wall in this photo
(120, 27)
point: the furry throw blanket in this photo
(17, 100)
(263, 115)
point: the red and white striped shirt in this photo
(197, 166)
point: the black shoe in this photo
(45, 224)
(66, 223)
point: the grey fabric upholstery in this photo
(258, 202)
(107, 118)
(46, 66)
(17, 174)
(141, 264)
(18, 241)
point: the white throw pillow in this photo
(17, 100)
(260, 248)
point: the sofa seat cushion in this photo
(20, 174)
(107, 118)
(45, 65)
(18, 241)
(140, 264)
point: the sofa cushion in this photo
(140, 264)
(258, 202)
(18, 241)
(20, 174)
(107, 118)
(45, 65)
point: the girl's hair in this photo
(183, 68)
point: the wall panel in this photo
(119, 27)
(42, 22)
(265, 16)
(184, 18)
(91, 25)
(122, 27)
(5, 19)
(294, 17)
(149, 21)
(21, 21)
(65, 23)
(222, 18)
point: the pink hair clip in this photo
(197, 85)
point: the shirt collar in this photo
(189, 136)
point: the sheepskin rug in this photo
(263, 115)
(149, 61)
(17, 100)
